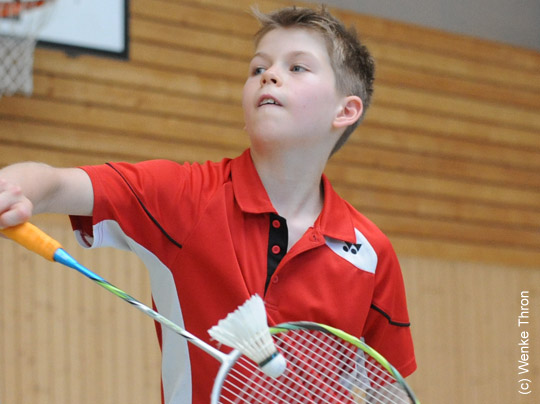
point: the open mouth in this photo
(267, 100)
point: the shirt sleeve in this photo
(144, 200)
(387, 327)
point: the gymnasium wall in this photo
(447, 163)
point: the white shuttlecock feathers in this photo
(246, 329)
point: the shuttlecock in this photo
(246, 329)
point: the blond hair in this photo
(351, 61)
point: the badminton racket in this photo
(323, 364)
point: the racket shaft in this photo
(38, 241)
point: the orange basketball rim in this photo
(11, 9)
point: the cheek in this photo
(246, 99)
(251, 85)
(317, 101)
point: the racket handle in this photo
(31, 237)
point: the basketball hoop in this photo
(20, 23)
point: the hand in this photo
(15, 207)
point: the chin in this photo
(268, 133)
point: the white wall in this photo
(515, 22)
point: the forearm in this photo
(31, 188)
(36, 181)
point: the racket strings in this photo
(321, 368)
(254, 389)
(318, 363)
(257, 389)
(359, 372)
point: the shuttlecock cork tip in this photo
(274, 366)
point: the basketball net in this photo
(20, 23)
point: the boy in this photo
(266, 222)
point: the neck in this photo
(292, 183)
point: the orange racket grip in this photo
(31, 237)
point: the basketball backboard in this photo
(88, 26)
(76, 26)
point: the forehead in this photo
(293, 40)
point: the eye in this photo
(298, 69)
(257, 70)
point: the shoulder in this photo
(368, 228)
(343, 217)
(378, 239)
(159, 171)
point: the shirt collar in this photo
(335, 220)
(247, 185)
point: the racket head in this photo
(324, 365)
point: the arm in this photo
(31, 188)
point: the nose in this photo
(270, 77)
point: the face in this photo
(290, 96)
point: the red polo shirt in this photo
(211, 238)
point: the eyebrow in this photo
(290, 54)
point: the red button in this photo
(275, 279)
(276, 249)
(276, 224)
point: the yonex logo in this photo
(361, 254)
(353, 248)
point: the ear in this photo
(350, 110)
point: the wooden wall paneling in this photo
(205, 65)
(462, 46)
(88, 147)
(464, 324)
(147, 30)
(217, 12)
(441, 236)
(377, 198)
(421, 213)
(10, 321)
(388, 73)
(455, 66)
(462, 107)
(413, 182)
(40, 329)
(137, 76)
(429, 143)
(70, 340)
(24, 328)
(405, 244)
(392, 116)
(130, 98)
(228, 19)
(60, 158)
(124, 123)
(458, 232)
(438, 164)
